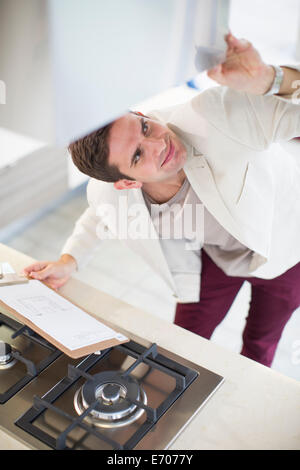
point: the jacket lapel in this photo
(201, 178)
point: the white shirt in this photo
(184, 258)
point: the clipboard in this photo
(10, 279)
(13, 295)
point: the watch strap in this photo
(275, 87)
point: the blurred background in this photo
(42, 193)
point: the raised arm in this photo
(244, 70)
(241, 108)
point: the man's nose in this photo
(156, 146)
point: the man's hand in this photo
(54, 273)
(243, 69)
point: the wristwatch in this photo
(275, 87)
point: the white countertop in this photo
(255, 408)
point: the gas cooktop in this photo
(132, 396)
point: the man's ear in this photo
(127, 184)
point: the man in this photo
(216, 150)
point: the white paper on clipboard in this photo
(55, 315)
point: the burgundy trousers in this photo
(272, 303)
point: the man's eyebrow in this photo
(142, 122)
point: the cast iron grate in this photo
(32, 369)
(183, 377)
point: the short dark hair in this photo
(90, 155)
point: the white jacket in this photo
(235, 164)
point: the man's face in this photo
(144, 149)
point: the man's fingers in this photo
(35, 267)
(216, 74)
(42, 274)
(238, 45)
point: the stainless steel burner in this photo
(113, 394)
(171, 389)
(6, 357)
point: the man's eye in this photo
(145, 127)
(137, 157)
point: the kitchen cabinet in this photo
(32, 176)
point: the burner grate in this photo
(183, 378)
(32, 368)
(41, 404)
